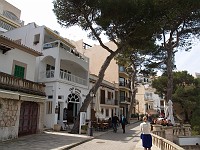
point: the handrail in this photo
(164, 144)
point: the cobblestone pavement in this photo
(63, 140)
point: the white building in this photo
(62, 68)
(21, 98)
(147, 100)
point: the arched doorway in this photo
(28, 120)
(73, 107)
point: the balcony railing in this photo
(11, 16)
(59, 44)
(111, 102)
(67, 76)
(9, 82)
(125, 99)
(127, 85)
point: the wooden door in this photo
(28, 118)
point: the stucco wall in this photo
(6, 61)
(4, 5)
(97, 57)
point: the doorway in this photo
(28, 119)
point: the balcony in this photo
(66, 76)
(111, 102)
(12, 17)
(9, 82)
(125, 85)
(125, 99)
(61, 45)
(122, 72)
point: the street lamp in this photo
(90, 122)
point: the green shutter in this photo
(19, 71)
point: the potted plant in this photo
(84, 129)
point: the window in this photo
(109, 95)
(107, 112)
(50, 71)
(49, 107)
(36, 39)
(50, 96)
(19, 71)
(60, 97)
(121, 68)
(102, 97)
(121, 81)
(122, 96)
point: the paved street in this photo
(114, 141)
(50, 140)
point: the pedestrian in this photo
(123, 122)
(146, 137)
(115, 120)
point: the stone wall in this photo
(9, 118)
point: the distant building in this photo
(9, 17)
(147, 100)
(108, 93)
(197, 75)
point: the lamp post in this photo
(90, 122)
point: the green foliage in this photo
(195, 121)
(135, 115)
(84, 127)
(154, 116)
(186, 92)
(133, 23)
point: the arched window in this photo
(73, 98)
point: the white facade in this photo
(17, 56)
(62, 68)
(18, 90)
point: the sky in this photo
(40, 12)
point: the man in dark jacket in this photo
(123, 122)
(115, 120)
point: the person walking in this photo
(115, 120)
(146, 137)
(123, 122)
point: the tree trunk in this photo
(94, 89)
(133, 93)
(169, 64)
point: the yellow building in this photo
(9, 17)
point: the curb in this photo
(79, 143)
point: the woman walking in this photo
(146, 137)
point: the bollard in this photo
(90, 129)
